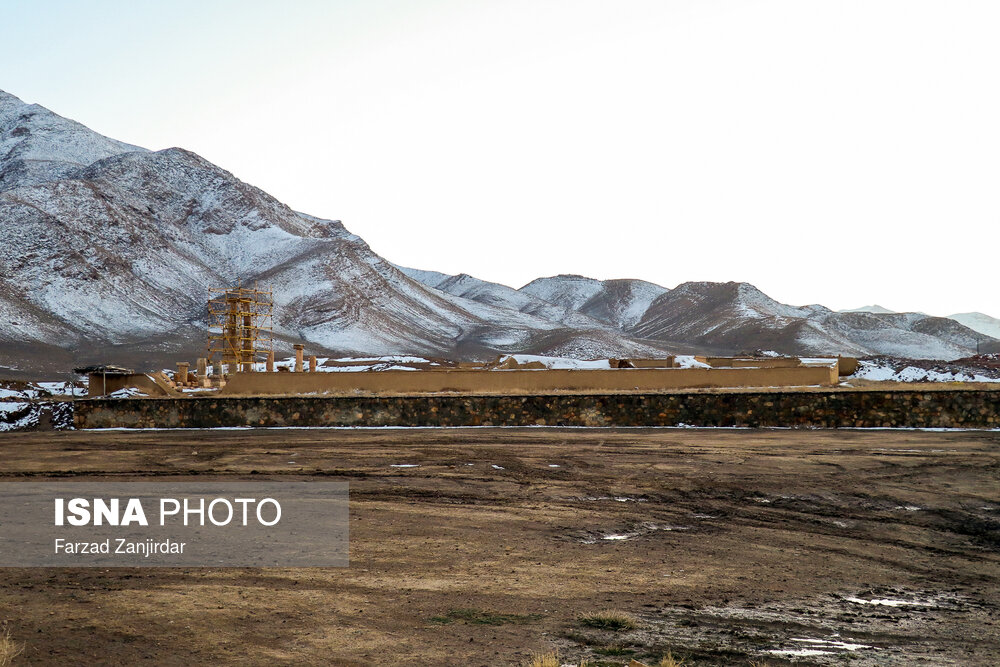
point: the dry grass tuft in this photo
(670, 661)
(543, 660)
(9, 649)
(614, 620)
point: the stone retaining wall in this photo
(822, 408)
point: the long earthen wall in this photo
(524, 381)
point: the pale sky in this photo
(840, 152)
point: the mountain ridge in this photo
(111, 250)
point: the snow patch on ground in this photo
(387, 359)
(8, 422)
(127, 392)
(561, 362)
(868, 370)
(688, 361)
(890, 602)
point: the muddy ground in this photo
(731, 547)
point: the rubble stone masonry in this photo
(948, 408)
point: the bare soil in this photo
(729, 547)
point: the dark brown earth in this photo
(735, 543)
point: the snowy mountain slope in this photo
(125, 249)
(24, 322)
(702, 310)
(979, 322)
(732, 315)
(129, 247)
(110, 250)
(568, 291)
(37, 145)
(620, 303)
(598, 343)
(141, 260)
(429, 278)
(502, 296)
(357, 302)
(568, 333)
(911, 335)
(122, 251)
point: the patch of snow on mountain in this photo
(569, 291)
(38, 145)
(755, 303)
(429, 278)
(643, 294)
(979, 322)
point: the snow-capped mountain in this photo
(737, 317)
(110, 249)
(501, 296)
(979, 322)
(37, 145)
(620, 303)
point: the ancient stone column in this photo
(299, 347)
(312, 364)
(270, 361)
(202, 371)
(182, 373)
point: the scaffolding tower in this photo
(239, 327)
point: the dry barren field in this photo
(730, 547)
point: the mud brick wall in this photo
(833, 408)
(533, 382)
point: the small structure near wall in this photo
(104, 379)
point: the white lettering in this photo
(277, 511)
(200, 511)
(102, 512)
(244, 502)
(79, 511)
(164, 512)
(211, 515)
(134, 513)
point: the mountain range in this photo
(110, 250)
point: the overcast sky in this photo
(837, 152)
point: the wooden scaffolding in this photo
(239, 327)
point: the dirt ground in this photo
(729, 547)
